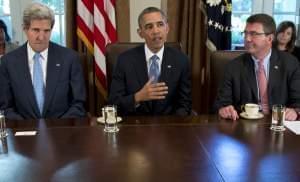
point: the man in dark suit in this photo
(243, 81)
(152, 79)
(41, 79)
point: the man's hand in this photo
(290, 114)
(228, 112)
(151, 91)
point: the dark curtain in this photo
(187, 23)
(71, 38)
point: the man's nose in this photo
(155, 29)
(247, 37)
(41, 36)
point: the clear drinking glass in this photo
(278, 117)
(3, 132)
(110, 118)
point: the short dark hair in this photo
(267, 21)
(151, 10)
(4, 27)
(281, 28)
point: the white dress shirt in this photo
(149, 54)
(266, 68)
(44, 57)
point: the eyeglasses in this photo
(253, 34)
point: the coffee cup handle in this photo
(243, 108)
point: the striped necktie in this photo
(38, 83)
(263, 87)
(154, 68)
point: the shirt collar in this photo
(266, 59)
(149, 53)
(31, 52)
(266, 63)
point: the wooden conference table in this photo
(196, 148)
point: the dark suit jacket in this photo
(240, 87)
(296, 52)
(130, 75)
(65, 89)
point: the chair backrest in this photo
(115, 49)
(218, 60)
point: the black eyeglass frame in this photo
(254, 34)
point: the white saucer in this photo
(101, 119)
(257, 116)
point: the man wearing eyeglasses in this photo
(262, 75)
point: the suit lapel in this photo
(140, 67)
(165, 73)
(26, 80)
(166, 66)
(249, 72)
(54, 66)
(274, 73)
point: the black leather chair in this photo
(218, 60)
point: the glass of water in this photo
(278, 117)
(3, 132)
(110, 118)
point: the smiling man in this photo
(152, 79)
(263, 75)
(41, 79)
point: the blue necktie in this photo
(154, 68)
(38, 83)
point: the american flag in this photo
(219, 24)
(96, 27)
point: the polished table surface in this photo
(169, 148)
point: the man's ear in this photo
(139, 31)
(167, 28)
(272, 36)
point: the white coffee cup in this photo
(251, 109)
